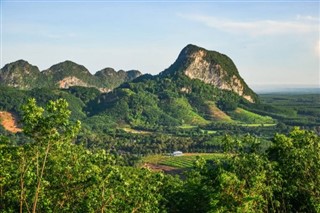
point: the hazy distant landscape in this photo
(159, 107)
(287, 89)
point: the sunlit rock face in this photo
(213, 74)
(212, 68)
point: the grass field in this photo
(181, 109)
(182, 162)
(187, 126)
(248, 117)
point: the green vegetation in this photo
(249, 157)
(22, 75)
(247, 117)
(65, 69)
(186, 161)
(215, 114)
(180, 109)
(12, 99)
(112, 79)
(158, 102)
(85, 94)
(49, 172)
(277, 180)
(212, 57)
(290, 109)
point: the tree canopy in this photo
(50, 173)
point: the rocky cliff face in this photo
(212, 68)
(71, 81)
(213, 73)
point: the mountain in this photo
(113, 78)
(200, 87)
(68, 73)
(21, 74)
(211, 67)
(195, 62)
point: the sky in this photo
(271, 42)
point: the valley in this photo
(110, 137)
(159, 114)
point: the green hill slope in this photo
(248, 117)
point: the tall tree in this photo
(46, 127)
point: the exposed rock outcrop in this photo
(211, 67)
(71, 81)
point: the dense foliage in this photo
(50, 173)
(262, 162)
(161, 101)
(282, 179)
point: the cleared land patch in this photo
(214, 113)
(134, 131)
(185, 161)
(9, 122)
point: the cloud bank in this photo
(301, 24)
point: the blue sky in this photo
(271, 42)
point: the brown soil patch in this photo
(162, 168)
(9, 122)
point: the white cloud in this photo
(307, 18)
(302, 24)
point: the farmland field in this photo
(183, 162)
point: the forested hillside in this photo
(80, 148)
(48, 172)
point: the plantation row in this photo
(186, 161)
